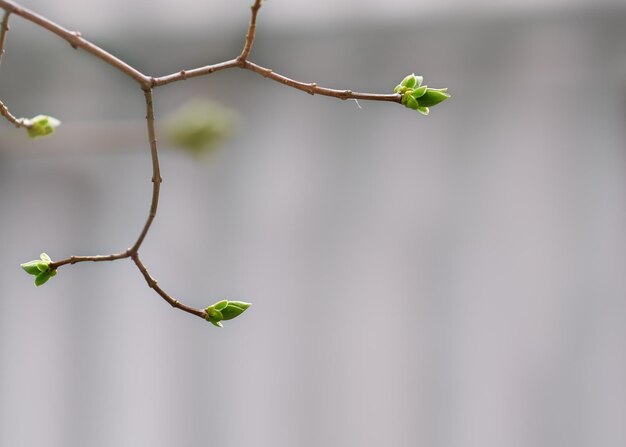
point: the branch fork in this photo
(147, 84)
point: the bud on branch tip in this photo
(40, 269)
(224, 310)
(41, 125)
(419, 97)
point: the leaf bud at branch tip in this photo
(419, 97)
(224, 310)
(40, 269)
(41, 125)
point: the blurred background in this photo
(450, 280)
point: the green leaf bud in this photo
(234, 309)
(45, 258)
(411, 102)
(409, 81)
(43, 277)
(220, 304)
(433, 97)
(423, 110)
(41, 125)
(34, 267)
(419, 92)
(224, 310)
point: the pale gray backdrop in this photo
(454, 280)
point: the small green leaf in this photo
(43, 277)
(34, 267)
(411, 102)
(220, 304)
(419, 92)
(409, 81)
(423, 110)
(234, 309)
(45, 258)
(433, 97)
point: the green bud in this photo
(409, 81)
(224, 310)
(34, 267)
(220, 304)
(411, 102)
(419, 92)
(423, 110)
(234, 309)
(433, 97)
(45, 258)
(41, 125)
(43, 277)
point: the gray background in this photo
(451, 280)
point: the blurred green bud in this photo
(423, 110)
(199, 127)
(40, 268)
(224, 310)
(41, 125)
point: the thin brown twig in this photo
(152, 283)
(4, 29)
(156, 171)
(313, 89)
(76, 41)
(17, 122)
(98, 258)
(251, 31)
(193, 73)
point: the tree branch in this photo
(312, 88)
(148, 83)
(152, 283)
(156, 171)
(76, 41)
(4, 29)
(99, 258)
(17, 122)
(251, 31)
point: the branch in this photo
(4, 29)
(76, 41)
(152, 283)
(156, 171)
(409, 93)
(187, 74)
(17, 122)
(312, 88)
(99, 258)
(251, 32)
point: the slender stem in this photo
(4, 28)
(251, 31)
(152, 283)
(17, 122)
(187, 74)
(99, 258)
(156, 171)
(312, 88)
(76, 41)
